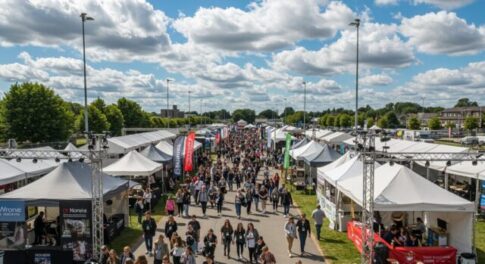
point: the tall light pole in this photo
(284, 110)
(168, 105)
(304, 105)
(356, 24)
(85, 18)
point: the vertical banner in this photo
(13, 232)
(268, 137)
(178, 147)
(189, 151)
(218, 138)
(76, 231)
(287, 151)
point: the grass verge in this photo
(132, 233)
(480, 240)
(335, 245)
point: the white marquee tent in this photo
(166, 147)
(133, 164)
(336, 137)
(311, 148)
(10, 173)
(343, 159)
(155, 154)
(41, 167)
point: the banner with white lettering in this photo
(189, 151)
(76, 231)
(178, 147)
(13, 231)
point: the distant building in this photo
(172, 113)
(425, 117)
(457, 115)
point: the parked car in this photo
(470, 140)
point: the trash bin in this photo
(467, 258)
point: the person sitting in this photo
(413, 241)
(392, 236)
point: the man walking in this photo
(149, 228)
(303, 227)
(318, 216)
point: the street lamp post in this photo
(85, 18)
(304, 105)
(356, 23)
(284, 110)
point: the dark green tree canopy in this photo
(268, 113)
(98, 123)
(414, 123)
(246, 114)
(115, 119)
(133, 115)
(288, 111)
(465, 102)
(35, 113)
(434, 123)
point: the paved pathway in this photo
(269, 225)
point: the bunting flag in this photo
(178, 146)
(189, 151)
(287, 151)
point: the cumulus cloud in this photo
(444, 4)
(386, 2)
(443, 33)
(376, 80)
(267, 25)
(379, 44)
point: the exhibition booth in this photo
(64, 197)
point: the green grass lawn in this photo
(338, 249)
(133, 232)
(335, 245)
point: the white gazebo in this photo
(133, 164)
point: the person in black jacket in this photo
(104, 254)
(170, 228)
(39, 228)
(303, 228)
(149, 228)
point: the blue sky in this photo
(234, 54)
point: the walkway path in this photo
(269, 225)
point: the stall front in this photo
(64, 197)
(401, 196)
(318, 159)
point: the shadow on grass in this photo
(334, 241)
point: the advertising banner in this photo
(268, 137)
(218, 138)
(405, 255)
(287, 151)
(13, 231)
(12, 211)
(189, 151)
(177, 156)
(329, 208)
(76, 228)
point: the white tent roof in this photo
(166, 147)
(466, 169)
(343, 159)
(313, 151)
(133, 164)
(307, 149)
(349, 169)
(155, 154)
(319, 133)
(250, 126)
(43, 166)
(375, 127)
(337, 137)
(71, 147)
(241, 122)
(398, 188)
(10, 173)
(69, 181)
(128, 143)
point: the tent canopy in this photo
(398, 188)
(166, 147)
(69, 181)
(41, 167)
(10, 173)
(300, 143)
(466, 169)
(155, 154)
(343, 159)
(337, 137)
(327, 155)
(349, 169)
(131, 142)
(312, 148)
(133, 164)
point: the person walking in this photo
(210, 243)
(303, 226)
(196, 227)
(140, 209)
(263, 196)
(170, 228)
(179, 199)
(275, 199)
(256, 197)
(290, 231)
(186, 202)
(190, 238)
(147, 198)
(203, 198)
(161, 250)
(286, 201)
(249, 199)
(177, 251)
(149, 228)
(267, 257)
(259, 248)
(127, 254)
(239, 239)
(318, 216)
(251, 239)
(226, 236)
(188, 256)
(239, 200)
(220, 201)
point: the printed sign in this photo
(178, 146)
(76, 228)
(12, 211)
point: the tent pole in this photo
(427, 172)
(446, 181)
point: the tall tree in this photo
(434, 123)
(470, 123)
(413, 123)
(245, 114)
(97, 121)
(268, 113)
(345, 120)
(392, 120)
(288, 111)
(370, 122)
(35, 113)
(465, 102)
(383, 122)
(132, 113)
(100, 104)
(115, 119)
(330, 120)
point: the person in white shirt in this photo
(290, 231)
(318, 216)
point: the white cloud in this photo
(385, 2)
(267, 25)
(379, 44)
(376, 80)
(443, 33)
(445, 4)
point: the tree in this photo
(434, 123)
(413, 123)
(470, 123)
(288, 111)
(100, 104)
(75, 108)
(330, 120)
(383, 122)
(132, 113)
(268, 113)
(336, 121)
(465, 102)
(345, 120)
(98, 123)
(115, 119)
(370, 122)
(392, 120)
(33, 112)
(247, 115)
(323, 120)
(295, 118)
(450, 124)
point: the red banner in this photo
(405, 255)
(218, 138)
(189, 151)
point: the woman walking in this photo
(256, 197)
(170, 228)
(161, 250)
(179, 199)
(219, 201)
(186, 202)
(290, 231)
(240, 240)
(275, 199)
(226, 236)
(190, 238)
(251, 239)
(210, 243)
(177, 251)
(170, 206)
(239, 200)
(263, 196)
(203, 198)
(188, 256)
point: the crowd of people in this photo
(240, 159)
